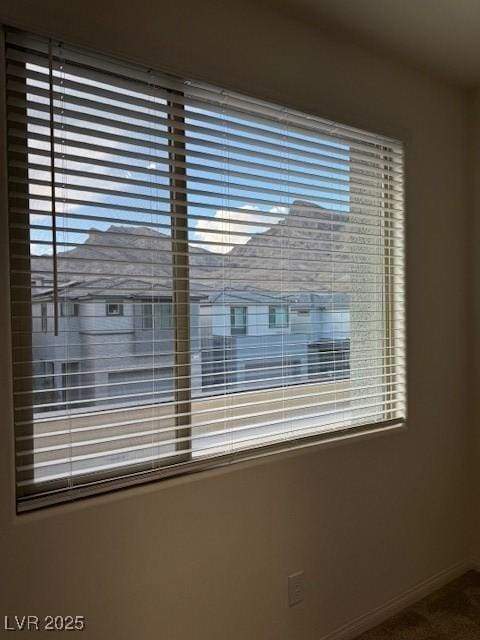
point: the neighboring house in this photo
(269, 338)
(120, 342)
(120, 346)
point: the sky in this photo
(242, 175)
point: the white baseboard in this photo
(368, 620)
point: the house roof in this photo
(113, 288)
(325, 301)
(136, 289)
(248, 295)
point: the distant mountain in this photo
(299, 253)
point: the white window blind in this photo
(181, 204)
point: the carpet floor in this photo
(451, 613)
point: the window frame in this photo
(241, 330)
(67, 375)
(44, 317)
(180, 308)
(272, 323)
(165, 315)
(159, 316)
(66, 305)
(109, 313)
(147, 318)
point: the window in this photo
(71, 383)
(238, 321)
(161, 312)
(44, 317)
(147, 316)
(43, 373)
(277, 316)
(114, 309)
(205, 208)
(163, 315)
(68, 309)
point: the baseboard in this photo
(475, 563)
(368, 620)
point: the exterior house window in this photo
(71, 382)
(44, 316)
(163, 315)
(160, 311)
(114, 309)
(278, 316)
(44, 385)
(238, 321)
(147, 316)
(44, 374)
(68, 309)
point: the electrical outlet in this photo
(296, 588)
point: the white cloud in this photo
(225, 226)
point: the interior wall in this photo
(208, 556)
(474, 283)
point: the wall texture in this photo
(208, 556)
(473, 194)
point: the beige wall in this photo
(474, 315)
(208, 556)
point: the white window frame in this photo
(240, 330)
(272, 312)
(69, 309)
(118, 312)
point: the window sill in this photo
(200, 466)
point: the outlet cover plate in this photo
(296, 588)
